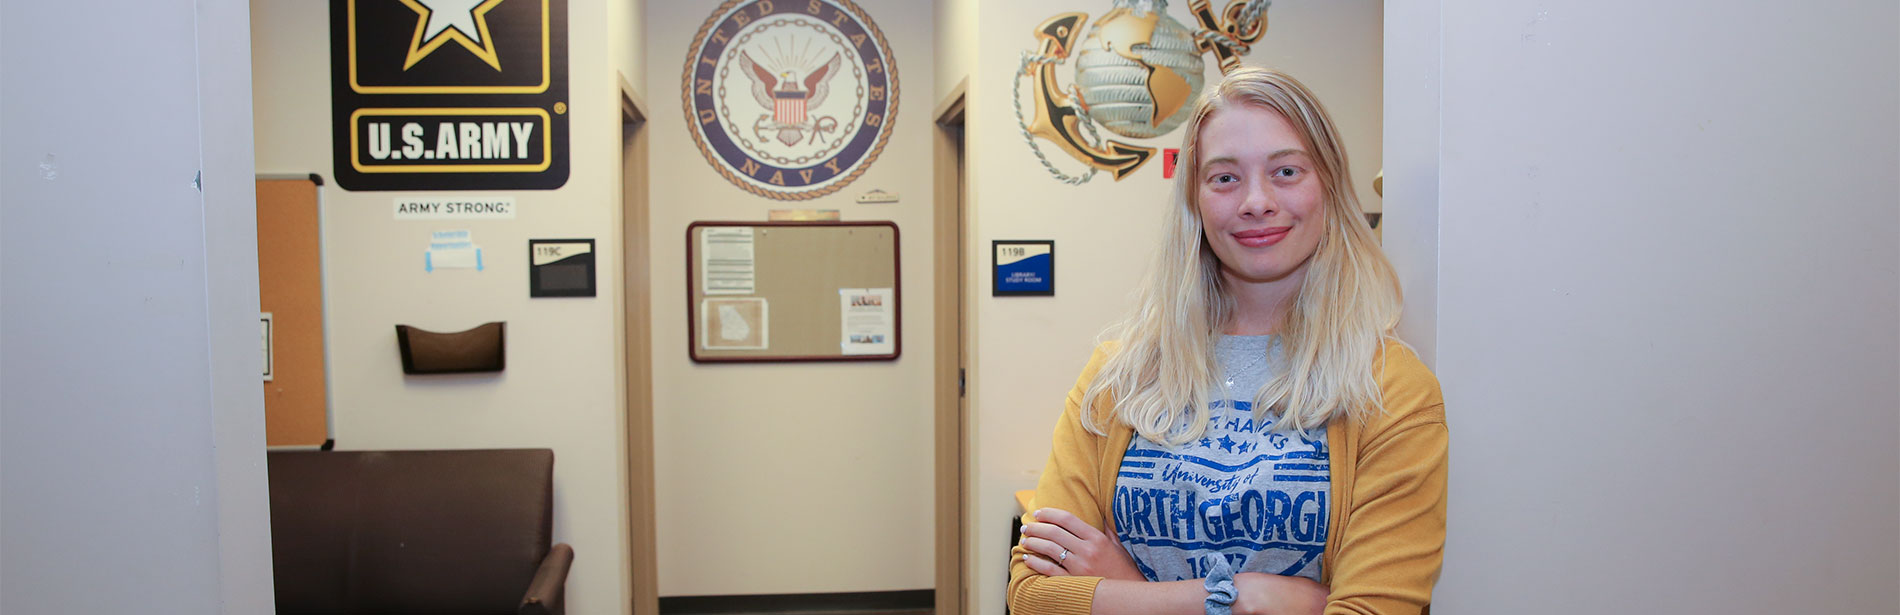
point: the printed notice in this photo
(455, 208)
(726, 265)
(867, 315)
(452, 250)
(735, 323)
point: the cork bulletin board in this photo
(793, 291)
(290, 289)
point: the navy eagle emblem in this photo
(790, 100)
(788, 96)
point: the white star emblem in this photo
(462, 21)
(458, 14)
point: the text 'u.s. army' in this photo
(453, 141)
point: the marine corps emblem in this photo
(1137, 71)
(790, 99)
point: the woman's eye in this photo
(1224, 178)
(1286, 172)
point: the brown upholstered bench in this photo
(394, 532)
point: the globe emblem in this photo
(1138, 68)
(1135, 74)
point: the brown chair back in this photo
(408, 531)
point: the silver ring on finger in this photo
(1064, 557)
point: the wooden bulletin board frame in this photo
(799, 270)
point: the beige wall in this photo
(1409, 234)
(559, 390)
(791, 477)
(955, 43)
(1668, 307)
(627, 26)
(1029, 350)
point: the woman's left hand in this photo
(1061, 544)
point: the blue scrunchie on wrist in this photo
(1220, 586)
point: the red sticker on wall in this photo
(1168, 156)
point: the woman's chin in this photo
(1258, 275)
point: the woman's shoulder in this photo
(1097, 359)
(1104, 351)
(1408, 389)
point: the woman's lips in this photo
(1260, 238)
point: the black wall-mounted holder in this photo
(481, 349)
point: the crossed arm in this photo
(1061, 544)
(1391, 538)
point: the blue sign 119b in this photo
(1023, 267)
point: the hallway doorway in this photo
(952, 403)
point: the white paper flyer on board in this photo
(869, 317)
(727, 263)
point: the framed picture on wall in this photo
(1023, 267)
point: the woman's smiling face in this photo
(1262, 200)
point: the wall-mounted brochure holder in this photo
(481, 349)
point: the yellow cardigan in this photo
(1388, 483)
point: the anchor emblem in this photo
(1056, 115)
(1134, 43)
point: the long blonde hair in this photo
(1160, 375)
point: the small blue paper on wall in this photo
(1023, 267)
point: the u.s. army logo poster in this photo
(790, 99)
(449, 94)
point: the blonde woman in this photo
(1256, 441)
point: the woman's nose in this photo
(1258, 201)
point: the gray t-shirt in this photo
(1256, 496)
